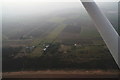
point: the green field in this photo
(72, 41)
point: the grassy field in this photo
(74, 44)
(51, 37)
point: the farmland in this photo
(65, 41)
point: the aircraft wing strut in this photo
(104, 27)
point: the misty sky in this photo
(37, 7)
(16, 9)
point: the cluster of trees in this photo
(53, 59)
(10, 51)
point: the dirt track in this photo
(62, 74)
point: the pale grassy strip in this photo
(52, 36)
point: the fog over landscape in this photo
(22, 16)
(54, 36)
